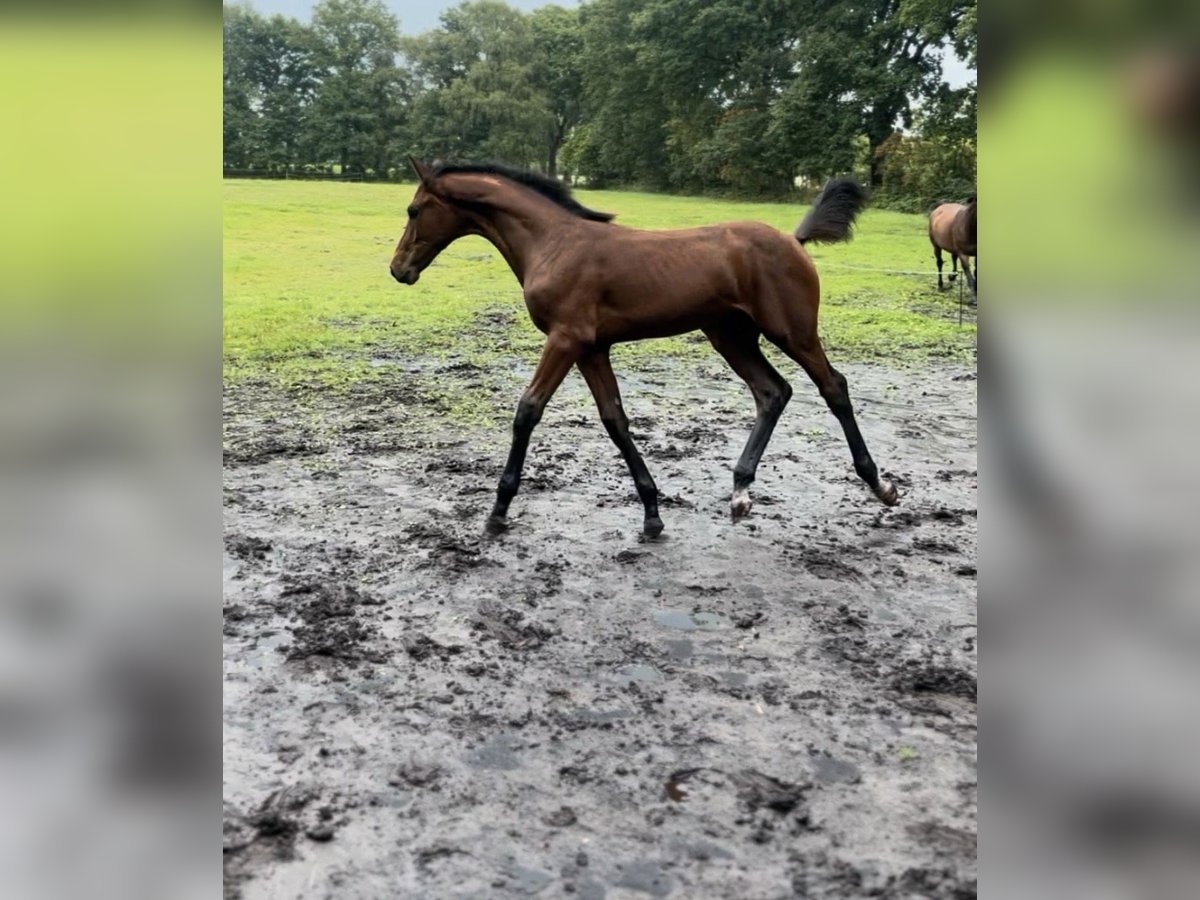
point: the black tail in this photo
(832, 217)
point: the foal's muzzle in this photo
(405, 274)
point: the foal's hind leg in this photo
(736, 339)
(832, 385)
(598, 373)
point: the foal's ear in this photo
(422, 170)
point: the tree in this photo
(270, 81)
(556, 74)
(719, 92)
(744, 95)
(736, 96)
(625, 140)
(240, 25)
(478, 99)
(864, 69)
(359, 108)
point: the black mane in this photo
(550, 188)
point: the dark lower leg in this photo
(937, 255)
(597, 371)
(953, 267)
(617, 427)
(839, 403)
(969, 275)
(557, 358)
(771, 393)
(529, 413)
(834, 389)
(770, 408)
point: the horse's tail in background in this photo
(832, 216)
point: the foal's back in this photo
(656, 283)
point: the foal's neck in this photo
(519, 223)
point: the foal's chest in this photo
(539, 310)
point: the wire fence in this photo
(881, 271)
(963, 300)
(290, 175)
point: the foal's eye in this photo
(412, 212)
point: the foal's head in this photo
(433, 224)
(446, 207)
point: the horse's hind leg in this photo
(937, 255)
(953, 267)
(832, 385)
(736, 339)
(969, 275)
(597, 371)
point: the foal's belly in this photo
(667, 300)
(654, 317)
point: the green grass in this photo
(308, 297)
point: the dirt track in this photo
(782, 707)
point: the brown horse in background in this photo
(590, 284)
(952, 227)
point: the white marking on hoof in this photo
(887, 493)
(740, 504)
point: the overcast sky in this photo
(420, 15)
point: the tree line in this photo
(736, 97)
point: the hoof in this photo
(652, 527)
(496, 525)
(887, 493)
(740, 504)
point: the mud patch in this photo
(247, 547)
(783, 706)
(331, 621)
(926, 678)
(508, 628)
(445, 550)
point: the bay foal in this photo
(590, 284)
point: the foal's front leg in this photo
(558, 356)
(597, 371)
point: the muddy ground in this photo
(785, 707)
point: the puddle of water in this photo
(683, 620)
(527, 881)
(645, 876)
(379, 362)
(828, 770)
(639, 673)
(680, 649)
(497, 753)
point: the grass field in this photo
(308, 297)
